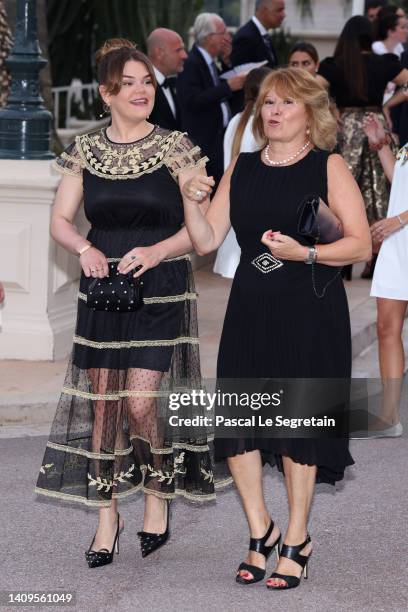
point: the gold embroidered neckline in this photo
(110, 142)
(116, 161)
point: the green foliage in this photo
(282, 42)
(230, 10)
(77, 28)
(135, 19)
(306, 6)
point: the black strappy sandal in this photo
(292, 552)
(149, 542)
(258, 545)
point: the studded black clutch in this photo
(116, 293)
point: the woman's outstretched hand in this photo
(374, 131)
(284, 247)
(198, 188)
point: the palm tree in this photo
(306, 6)
(5, 46)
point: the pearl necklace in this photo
(284, 161)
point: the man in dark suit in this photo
(165, 49)
(203, 95)
(252, 42)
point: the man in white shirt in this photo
(166, 51)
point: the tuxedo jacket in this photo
(249, 46)
(201, 113)
(162, 114)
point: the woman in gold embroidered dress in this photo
(109, 436)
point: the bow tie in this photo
(169, 82)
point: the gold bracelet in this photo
(84, 249)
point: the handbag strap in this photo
(323, 293)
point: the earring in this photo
(307, 131)
(106, 110)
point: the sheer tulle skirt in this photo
(111, 435)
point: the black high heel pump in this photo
(258, 545)
(292, 552)
(149, 542)
(96, 558)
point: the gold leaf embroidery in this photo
(169, 475)
(104, 483)
(207, 475)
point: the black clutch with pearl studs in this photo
(116, 293)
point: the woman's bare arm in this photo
(67, 202)
(347, 203)
(207, 232)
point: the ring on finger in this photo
(133, 257)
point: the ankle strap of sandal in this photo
(258, 544)
(292, 552)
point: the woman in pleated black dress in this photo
(275, 324)
(110, 436)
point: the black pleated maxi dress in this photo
(110, 436)
(275, 325)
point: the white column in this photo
(40, 278)
(247, 10)
(357, 7)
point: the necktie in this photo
(214, 73)
(268, 43)
(169, 82)
(226, 111)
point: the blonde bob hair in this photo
(301, 86)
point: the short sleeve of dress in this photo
(70, 161)
(327, 69)
(393, 65)
(185, 155)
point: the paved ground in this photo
(359, 561)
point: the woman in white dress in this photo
(390, 280)
(239, 138)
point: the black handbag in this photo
(116, 293)
(318, 224)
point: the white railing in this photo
(79, 93)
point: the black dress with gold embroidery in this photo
(110, 436)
